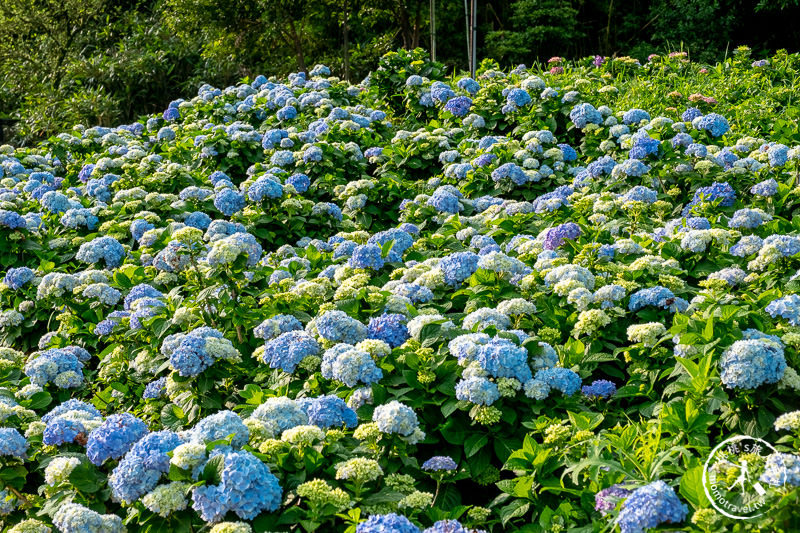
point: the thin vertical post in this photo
(346, 43)
(433, 30)
(469, 46)
(474, 40)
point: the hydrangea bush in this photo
(411, 304)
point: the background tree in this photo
(64, 62)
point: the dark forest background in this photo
(64, 62)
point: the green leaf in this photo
(84, 477)
(691, 488)
(474, 443)
(212, 472)
(513, 510)
(172, 417)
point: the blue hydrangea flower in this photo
(715, 124)
(518, 97)
(337, 326)
(401, 241)
(782, 469)
(12, 443)
(385, 523)
(288, 349)
(556, 236)
(75, 518)
(246, 488)
(155, 389)
(139, 227)
(681, 140)
(632, 168)
(280, 413)
(585, 114)
(229, 201)
(166, 134)
(458, 106)
(787, 307)
(300, 182)
(16, 278)
(510, 171)
(635, 116)
(282, 158)
(79, 218)
(114, 437)
(747, 245)
(444, 201)
(390, 328)
(272, 327)
(750, 363)
(477, 390)
(218, 426)
(367, 256)
(777, 155)
(350, 365)
(502, 358)
(414, 292)
(327, 208)
(568, 152)
(640, 193)
(561, 379)
(690, 114)
(599, 389)
(395, 417)
(286, 113)
(749, 218)
(469, 85)
(439, 463)
(328, 411)
(106, 249)
(264, 187)
(62, 431)
(765, 188)
(192, 353)
(650, 506)
(657, 296)
(448, 526)
(458, 266)
(141, 468)
(171, 114)
(51, 364)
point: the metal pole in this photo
(433, 30)
(474, 37)
(346, 43)
(469, 49)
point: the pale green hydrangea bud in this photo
(486, 414)
(232, 527)
(167, 499)
(647, 334)
(416, 500)
(189, 456)
(401, 483)
(59, 469)
(478, 515)
(319, 494)
(359, 470)
(303, 435)
(368, 432)
(30, 526)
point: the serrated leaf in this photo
(212, 472)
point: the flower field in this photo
(530, 301)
